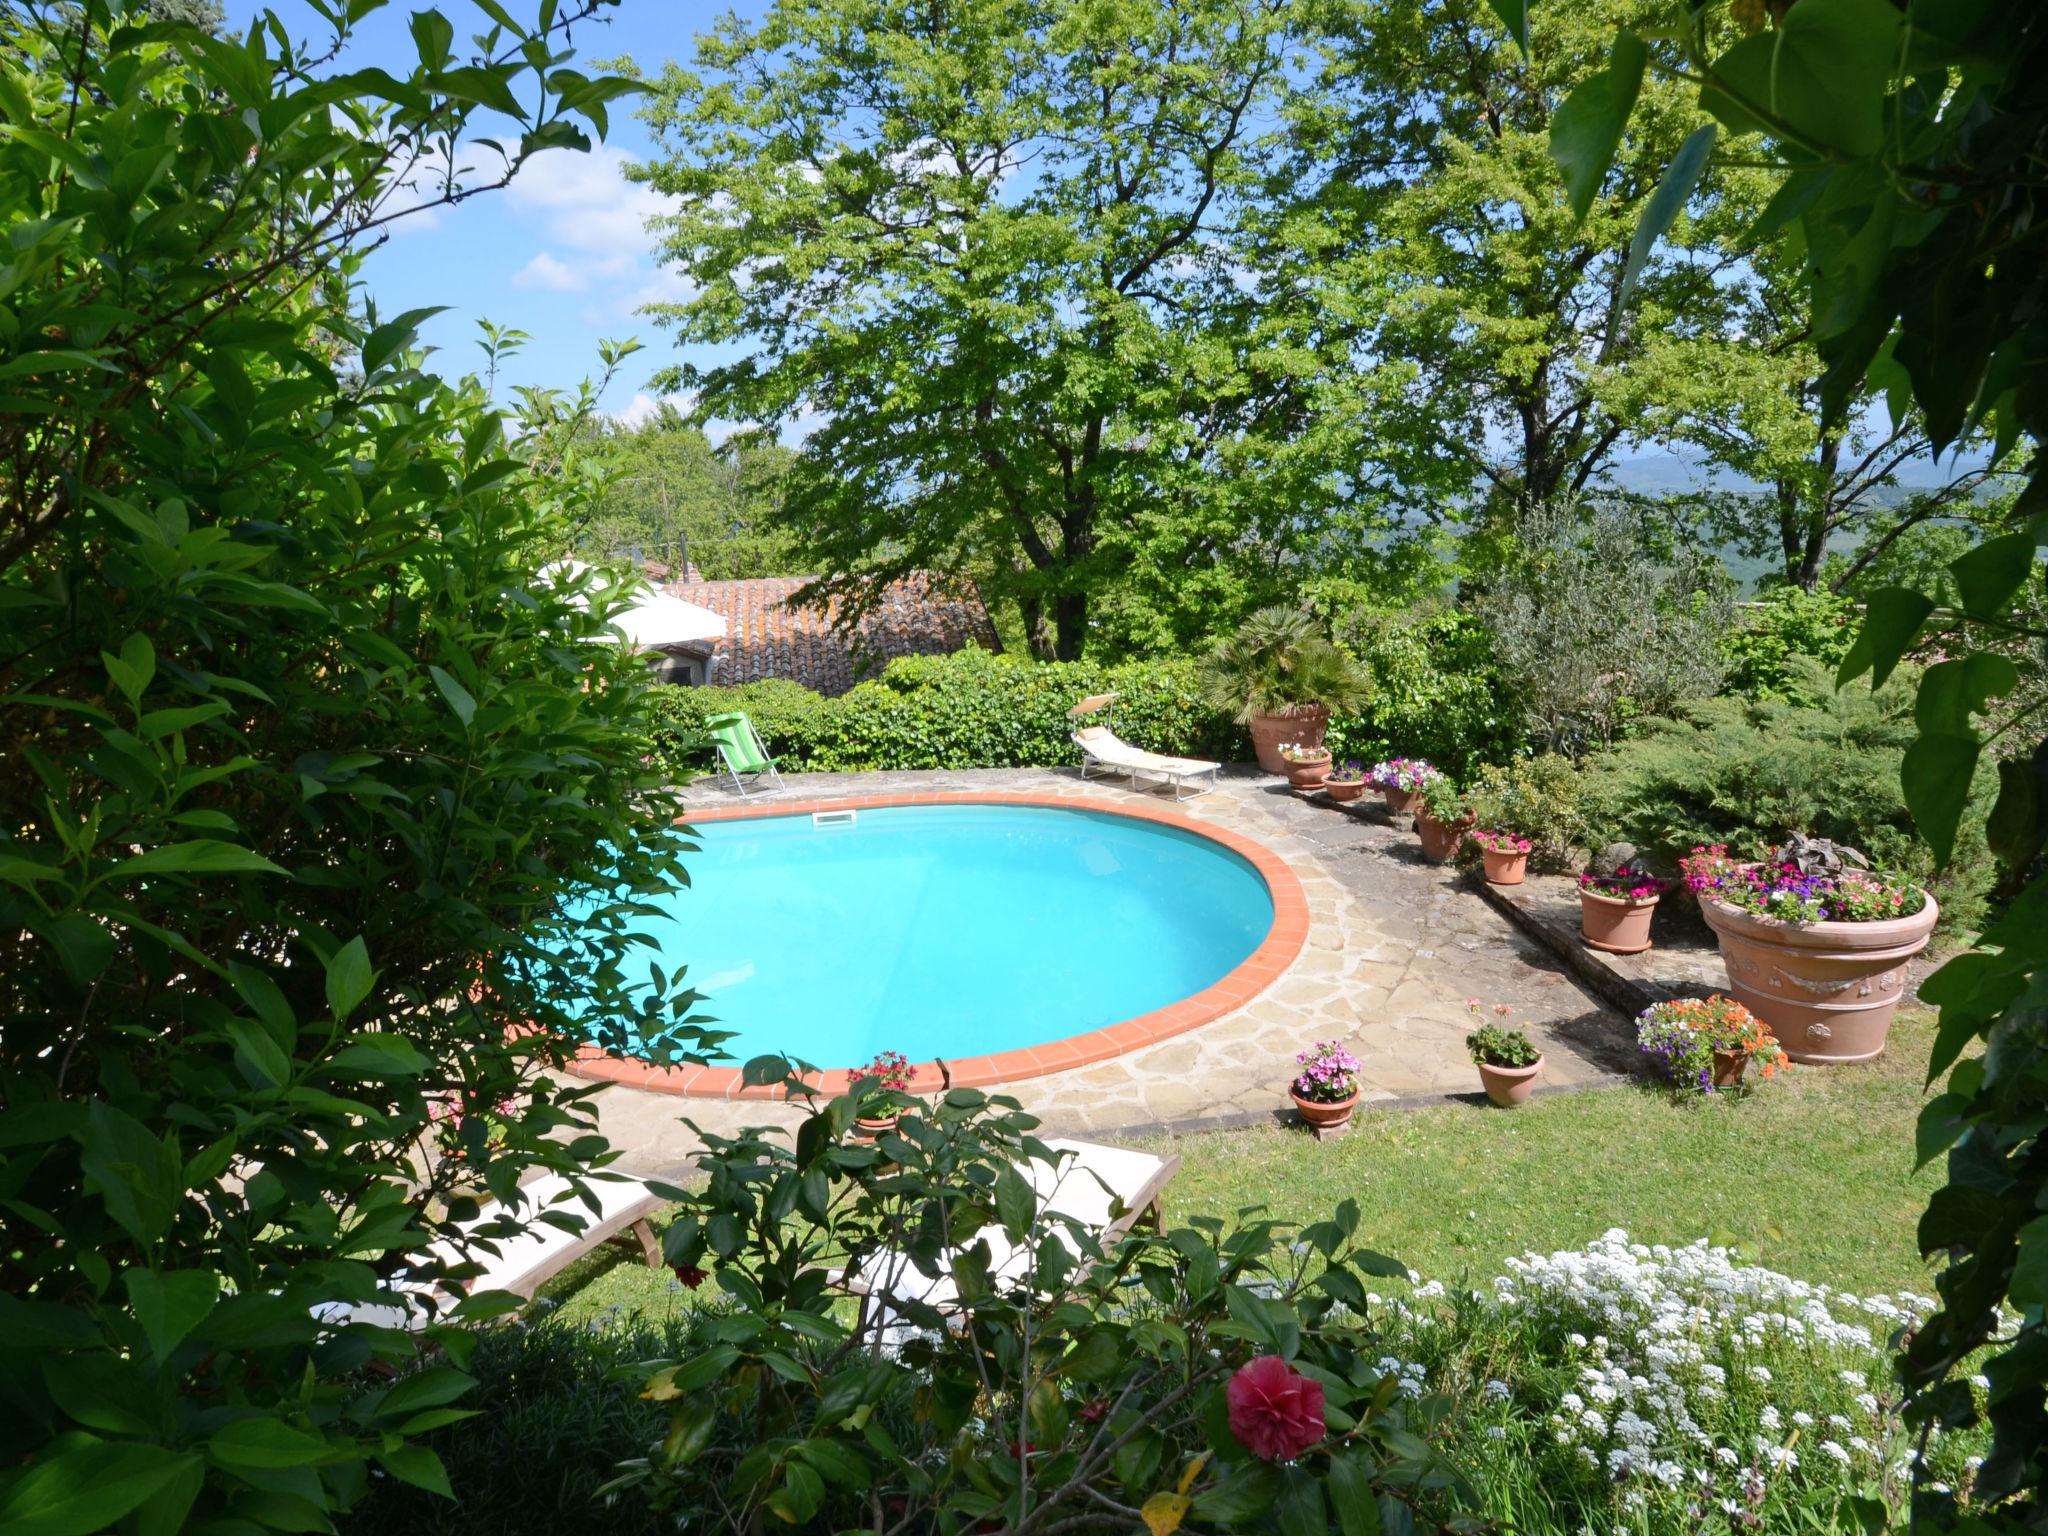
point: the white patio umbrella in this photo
(654, 620)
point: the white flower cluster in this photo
(1699, 1379)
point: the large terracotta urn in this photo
(1303, 727)
(1827, 991)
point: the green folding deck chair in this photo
(740, 751)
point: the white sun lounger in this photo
(1103, 751)
(1103, 1188)
(523, 1264)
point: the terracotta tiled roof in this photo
(766, 636)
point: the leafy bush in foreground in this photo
(300, 765)
(1211, 1373)
(557, 1405)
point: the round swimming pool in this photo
(951, 931)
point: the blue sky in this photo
(561, 253)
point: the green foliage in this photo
(1058, 1377)
(1595, 624)
(1086, 393)
(1278, 662)
(1931, 285)
(1437, 692)
(1787, 622)
(301, 767)
(667, 491)
(1541, 799)
(564, 1400)
(971, 709)
(1749, 772)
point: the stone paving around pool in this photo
(1395, 946)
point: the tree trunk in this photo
(1037, 633)
(1070, 615)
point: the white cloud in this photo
(591, 224)
(548, 271)
(644, 407)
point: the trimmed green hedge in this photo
(967, 710)
(1436, 694)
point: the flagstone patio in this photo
(1395, 947)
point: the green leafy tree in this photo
(1529, 339)
(1910, 138)
(321, 813)
(670, 494)
(1006, 257)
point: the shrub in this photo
(561, 1403)
(971, 709)
(1538, 798)
(1623, 1387)
(1438, 692)
(1747, 773)
(1596, 629)
(1786, 622)
(1053, 1382)
(303, 765)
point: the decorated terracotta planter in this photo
(1620, 925)
(1729, 1067)
(1827, 991)
(1440, 839)
(1504, 866)
(1319, 1116)
(1400, 802)
(1300, 727)
(1308, 775)
(1509, 1086)
(1345, 791)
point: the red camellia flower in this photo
(689, 1274)
(1275, 1411)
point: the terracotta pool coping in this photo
(1259, 970)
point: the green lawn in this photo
(1812, 1175)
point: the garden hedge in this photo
(1436, 694)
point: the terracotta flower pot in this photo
(1509, 1086)
(1324, 1116)
(1504, 866)
(1308, 775)
(1440, 839)
(1617, 924)
(1729, 1067)
(1400, 802)
(871, 1126)
(1344, 792)
(1302, 727)
(1826, 990)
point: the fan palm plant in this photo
(1280, 663)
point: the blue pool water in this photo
(954, 930)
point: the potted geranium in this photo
(1508, 1060)
(1617, 896)
(1506, 855)
(1706, 1044)
(880, 1105)
(1346, 783)
(1325, 1091)
(1442, 818)
(1306, 766)
(1815, 941)
(1281, 676)
(1401, 780)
